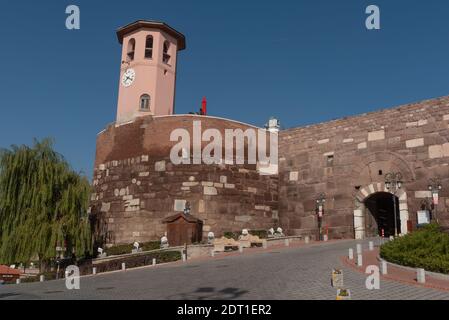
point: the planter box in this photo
(343, 294)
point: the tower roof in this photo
(121, 32)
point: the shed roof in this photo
(177, 216)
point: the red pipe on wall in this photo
(204, 107)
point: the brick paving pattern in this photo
(296, 272)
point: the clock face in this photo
(128, 77)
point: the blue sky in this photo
(301, 61)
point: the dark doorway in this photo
(380, 214)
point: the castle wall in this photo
(347, 159)
(137, 186)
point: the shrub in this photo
(127, 248)
(262, 234)
(119, 249)
(427, 248)
(139, 260)
(231, 235)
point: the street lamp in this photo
(435, 188)
(187, 208)
(393, 182)
(320, 209)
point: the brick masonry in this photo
(136, 186)
(351, 165)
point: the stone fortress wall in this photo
(347, 159)
(136, 186)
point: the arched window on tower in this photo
(131, 50)
(149, 47)
(166, 56)
(145, 102)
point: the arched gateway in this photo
(375, 211)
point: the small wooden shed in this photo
(183, 229)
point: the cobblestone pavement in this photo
(287, 273)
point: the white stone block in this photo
(179, 205)
(351, 254)
(294, 175)
(252, 190)
(144, 174)
(422, 122)
(371, 246)
(323, 141)
(445, 150)
(376, 135)
(105, 207)
(414, 143)
(159, 166)
(435, 151)
(359, 248)
(123, 266)
(210, 191)
(348, 140)
(229, 185)
(223, 179)
(362, 145)
(423, 194)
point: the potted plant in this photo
(343, 294)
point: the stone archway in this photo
(360, 210)
(367, 178)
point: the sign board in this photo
(435, 198)
(423, 217)
(320, 211)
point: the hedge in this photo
(427, 248)
(139, 260)
(127, 248)
(262, 234)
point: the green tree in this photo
(43, 204)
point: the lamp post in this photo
(319, 210)
(187, 208)
(435, 188)
(393, 182)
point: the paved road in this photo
(292, 273)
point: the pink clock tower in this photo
(148, 69)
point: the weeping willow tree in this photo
(43, 204)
